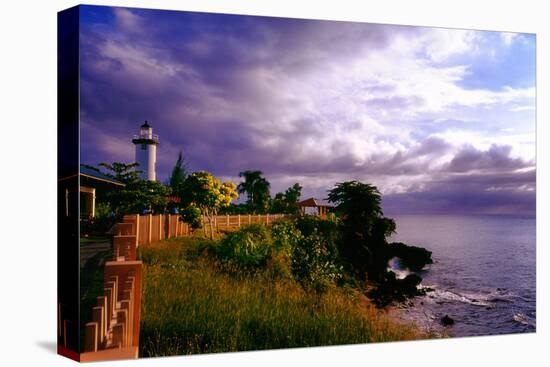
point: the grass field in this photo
(192, 304)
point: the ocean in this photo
(483, 276)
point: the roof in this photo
(90, 173)
(314, 202)
(146, 124)
(173, 199)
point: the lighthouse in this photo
(146, 152)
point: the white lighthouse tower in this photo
(146, 152)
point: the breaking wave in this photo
(524, 319)
(482, 299)
(395, 265)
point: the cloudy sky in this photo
(440, 120)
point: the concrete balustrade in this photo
(113, 331)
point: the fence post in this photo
(227, 220)
(149, 228)
(160, 227)
(137, 230)
(239, 216)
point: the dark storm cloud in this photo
(206, 82)
(431, 146)
(461, 201)
(474, 181)
(220, 88)
(497, 157)
(493, 193)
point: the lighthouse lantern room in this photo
(146, 151)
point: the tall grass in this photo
(192, 305)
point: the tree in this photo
(364, 228)
(206, 193)
(137, 195)
(293, 193)
(257, 189)
(122, 172)
(179, 172)
(286, 202)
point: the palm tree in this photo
(256, 188)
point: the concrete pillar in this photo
(102, 302)
(122, 318)
(118, 335)
(99, 318)
(93, 203)
(112, 282)
(109, 295)
(90, 337)
(126, 306)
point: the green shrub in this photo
(191, 215)
(250, 247)
(313, 264)
(303, 249)
(327, 229)
(285, 235)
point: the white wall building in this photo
(146, 152)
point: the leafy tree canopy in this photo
(137, 195)
(203, 191)
(285, 202)
(257, 189)
(364, 228)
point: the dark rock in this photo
(412, 257)
(392, 289)
(447, 321)
(409, 284)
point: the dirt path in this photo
(88, 251)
